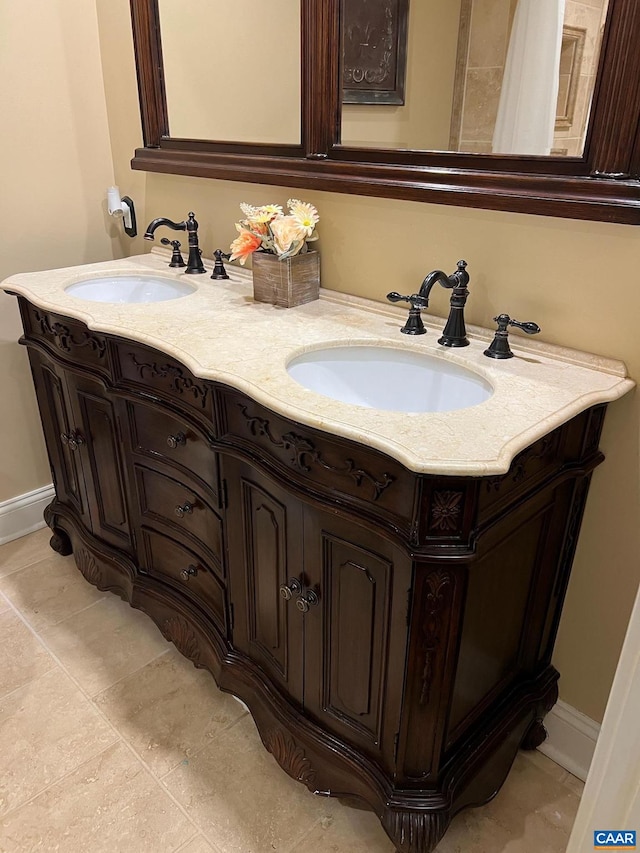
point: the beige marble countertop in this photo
(220, 333)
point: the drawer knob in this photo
(189, 572)
(183, 509)
(72, 439)
(288, 590)
(176, 440)
(309, 599)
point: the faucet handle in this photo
(219, 272)
(499, 347)
(414, 324)
(176, 258)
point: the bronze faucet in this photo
(190, 225)
(454, 333)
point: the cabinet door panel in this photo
(96, 418)
(265, 551)
(66, 464)
(354, 645)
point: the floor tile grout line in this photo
(35, 562)
(5, 696)
(93, 696)
(195, 754)
(43, 628)
(111, 726)
(59, 779)
(300, 839)
(28, 565)
(184, 846)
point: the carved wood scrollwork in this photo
(179, 632)
(415, 831)
(179, 382)
(304, 454)
(291, 757)
(438, 585)
(88, 566)
(65, 339)
(546, 447)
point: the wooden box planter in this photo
(286, 283)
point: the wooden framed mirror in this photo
(602, 182)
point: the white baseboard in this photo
(572, 739)
(22, 515)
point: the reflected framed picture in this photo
(374, 51)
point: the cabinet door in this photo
(355, 635)
(95, 418)
(59, 429)
(264, 541)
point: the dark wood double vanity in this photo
(390, 631)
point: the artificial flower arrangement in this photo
(268, 229)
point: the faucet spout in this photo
(162, 220)
(460, 278)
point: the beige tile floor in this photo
(111, 741)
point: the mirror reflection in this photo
(232, 70)
(482, 76)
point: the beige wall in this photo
(569, 276)
(425, 119)
(232, 69)
(56, 165)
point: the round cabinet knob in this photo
(73, 439)
(176, 440)
(183, 509)
(189, 572)
(288, 590)
(309, 599)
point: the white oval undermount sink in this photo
(389, 379)
(129, 289)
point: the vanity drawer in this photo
(185, 570)
(152, 372)
(177, 505)
(339, 470)
(66, 338)
(165, 438)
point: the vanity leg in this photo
(415, 831)
(536, 734)
(59, 542)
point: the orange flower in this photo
(244, 245)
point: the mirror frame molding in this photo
(603, 184)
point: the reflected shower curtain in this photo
(529, 95)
